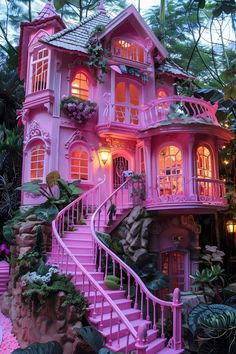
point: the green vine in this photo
(97, 54)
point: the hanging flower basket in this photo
(78, 109)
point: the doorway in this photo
(174, 265)
(120, 164)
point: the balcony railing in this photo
(175, 189)
(162, 111)
(179, 109)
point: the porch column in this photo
(148, 169)
(191, 169)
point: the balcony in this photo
(160, 112)
(203, 193)
(178, 109)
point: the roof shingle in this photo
(76, 37)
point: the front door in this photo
(173, 265)
(120, 164)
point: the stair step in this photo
(131, 314)
(95, 275)
(156, 345)
(122, 329)
(118, 294)
(88, 243)
(86, 286)
(123, 346)
(167, 351)
(123, 304)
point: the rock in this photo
(138, 253)
(26, 227)
(67, 348)
(129, 238)
(136, 228)
(6, 303)
(26, 240)
(136, 243)
(32, 217)
(24, 250)
(135, 214)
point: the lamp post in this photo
(231, 241)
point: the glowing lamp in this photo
(104, 153)
(231, 226)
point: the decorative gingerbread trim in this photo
(35, 132)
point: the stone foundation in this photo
(39, 323)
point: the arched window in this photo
(204, 162)
(37, 162)
(170, 167)
(39, 75)
(79, 164)
(128, 50)
(161, 93)
(127, 98)
(80, 86)
(204, 170)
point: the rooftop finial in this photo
(101, 7)
(48, 11)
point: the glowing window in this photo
(37, 162)
(170, 166)
(161, 93)
(128, 50)
(204, 162)
(80, 86)
(40, 70)
(127, 103)
(79, 168)
(204, 170)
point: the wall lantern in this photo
(104, 153)
(231, 226)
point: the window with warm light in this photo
(79, 164)
(127, 98)
(128, 50)
(39, 75)
(80, 86)
(204, 170)
(170, 167)
(161, 93)
(37, 162)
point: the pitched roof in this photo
(47, 12)
(123, 15)
(169, 68)
(75, 37)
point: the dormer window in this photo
(39, 76)
(80, 86)
(128, 50)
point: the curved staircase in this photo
(128, 323)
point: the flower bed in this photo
(78, 109)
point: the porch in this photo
(197, 193)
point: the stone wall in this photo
(49, 322)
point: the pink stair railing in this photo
(157, 110)
(144, 299)
(62, 257)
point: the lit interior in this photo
(79, 164)
(170, 164)
(128, 50)
(127, 97)
(37, 162)
(162, 94)
(80, 86)
(204, 170)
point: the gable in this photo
(131, 23)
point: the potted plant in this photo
(78, 109)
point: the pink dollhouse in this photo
(140, 125)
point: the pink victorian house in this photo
(141, 125)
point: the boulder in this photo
(136, 228)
